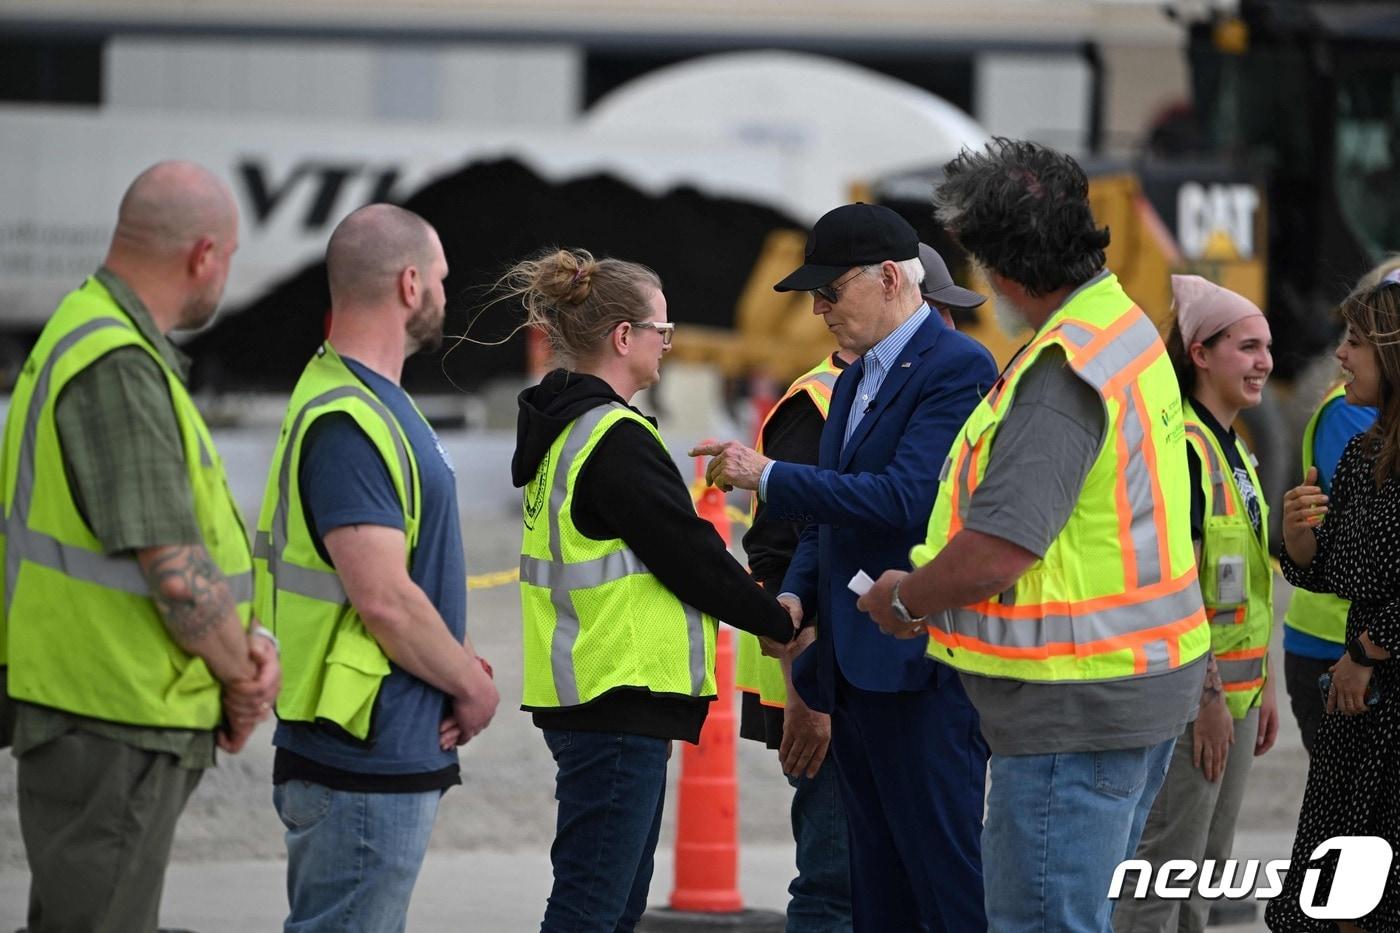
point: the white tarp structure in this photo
(836, 124)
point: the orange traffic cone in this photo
(706, 895)
(707, 820)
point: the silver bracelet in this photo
(257, 628)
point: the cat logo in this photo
(1216, 221)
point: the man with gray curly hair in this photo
(1058, 576)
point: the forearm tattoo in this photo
(189, 590)
(1214, 687)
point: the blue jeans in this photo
(610, 789)
(1057, 826)
(352, 858)
(821, 892)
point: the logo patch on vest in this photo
(534, 503)
(1172, 420)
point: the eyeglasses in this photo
(666, 330)
(832, 293)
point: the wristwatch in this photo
(901, 611)
(1358, 653)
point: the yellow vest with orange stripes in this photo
(1115, 595)
(1239, 629)
(754, 672)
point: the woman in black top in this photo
(1354, 778)
(606, 322)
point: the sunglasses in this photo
(666, 330)
(832, 293)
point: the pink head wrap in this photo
(1204, 309)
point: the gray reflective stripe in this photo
(22, 543)
(205, 457)
(240, 586)
(695, 634)
(827, 379)
(561, 578)
(1075, 334)
(965, 483)
(1137, 478)
(1158, 657)
(566, 621)
(115, 573)
(1140, 337)
(1240, 672)
(1081, 628)
(311, 582)
(324, 585)
(1224, 616)
(582, 575)
(1219, 501)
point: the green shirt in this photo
(126, 465)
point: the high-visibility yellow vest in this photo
(1321, 615)
(754, 672)
(83, 633)
(332, 668)
(594, 617)
(1239, 629)
(1115, 595)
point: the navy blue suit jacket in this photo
(868, 504)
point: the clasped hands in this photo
(473, 713)
(248, 702)
(731, 464)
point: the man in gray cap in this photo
(938, 290)
(909, 754)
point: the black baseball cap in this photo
(851, 235)
(938, 283)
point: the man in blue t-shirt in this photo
(1307, 657)
(359, 813)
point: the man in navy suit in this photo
(907, 744)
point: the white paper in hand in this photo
(861, 583)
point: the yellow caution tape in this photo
(486, 581)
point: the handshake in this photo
(791, 649)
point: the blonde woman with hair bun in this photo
(621, 582)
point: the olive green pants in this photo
(98, 817)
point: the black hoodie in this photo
(630, 489)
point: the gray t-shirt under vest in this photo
(1041, 455)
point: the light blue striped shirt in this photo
(878, 360)
(876, 366)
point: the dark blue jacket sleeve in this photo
(902, 494)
